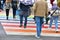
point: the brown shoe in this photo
(56, 31)
(20, 26)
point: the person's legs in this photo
(21, 20)
(39, 22)
(25, 16)
(7, 13)
(29, 12)
(0, 5)
(51, 20)
(14, 12)
(25, 23)
(56, 22)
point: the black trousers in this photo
(7, 12)
(0, 5)
(14, 12)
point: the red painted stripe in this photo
(29, 26)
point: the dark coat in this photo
(25, 10)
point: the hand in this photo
(51, 14)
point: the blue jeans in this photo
(39, 22)
(55, 18)
(21, 20)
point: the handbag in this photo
(18, 11)
(51, 14)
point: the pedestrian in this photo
(26, 11)
(14, 7)
(55, 16)
(40, 11)
(8, 6)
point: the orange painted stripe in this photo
(21, 30)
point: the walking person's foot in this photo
(37, 36)
(20, 26)
(56, 30)
(6, 18)
(24, 26)
(46, 23)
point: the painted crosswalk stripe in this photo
(28, 25)
(12, 28)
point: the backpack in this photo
(24, 7)
(28, 2)
(51, 14)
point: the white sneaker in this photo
(56, 30)
(37, 36)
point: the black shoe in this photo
(20, 26)
(46, 23)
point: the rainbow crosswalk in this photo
(11, 27)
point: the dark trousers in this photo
(0, 5)
(21, 20)
(14, 12)
(7, 12)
